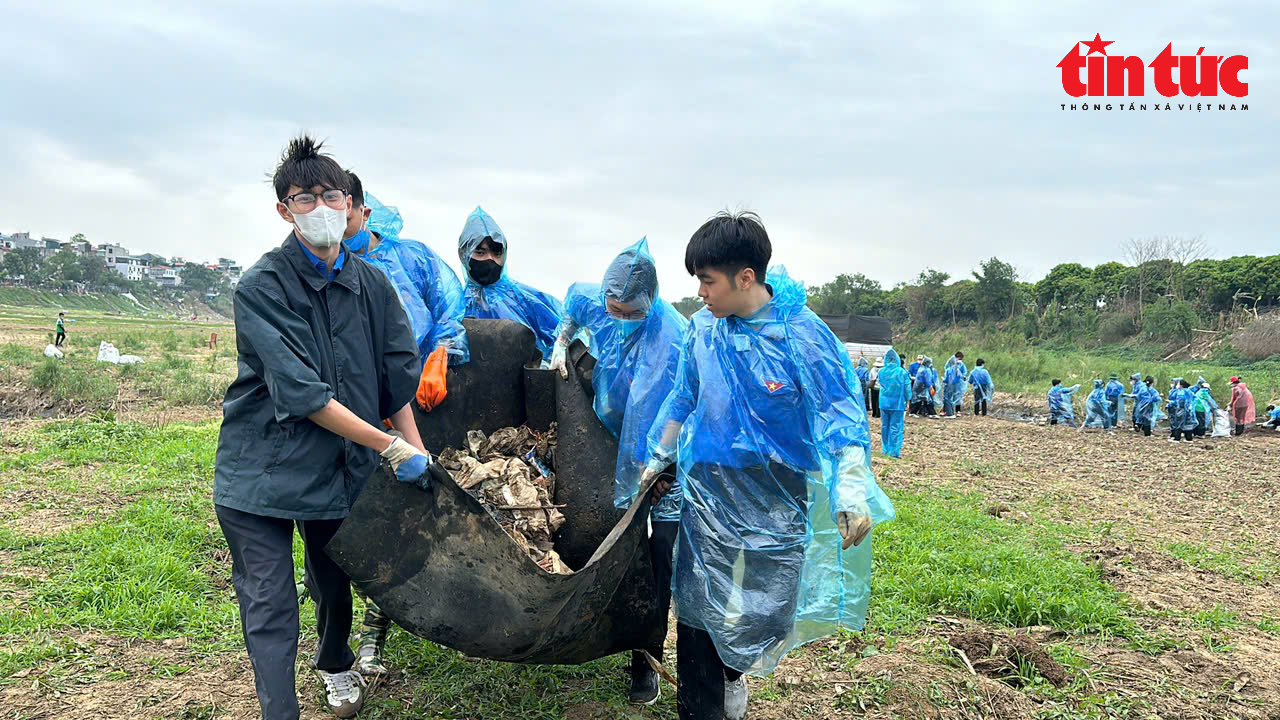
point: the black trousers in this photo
(770, 586)
(662, 548)
(1146, 429)
(60, 338)
(875, 402)
(1180, 434)
(262, 572)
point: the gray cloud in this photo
(881, 138)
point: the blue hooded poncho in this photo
(1060, 401)
(980, 379)
(1181, 407)
(895, 384)
(927, 379)
(635, 363)
(1095, 406)
(505, 299)
(772, 443)
(954, 382)
(429, 290)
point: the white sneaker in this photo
(343, 691)
(1172, 440)
(735, 699)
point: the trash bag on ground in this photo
(440, 564)
(52, 351)
(108, 353)
(1221, 424)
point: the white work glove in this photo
(408, 462)
(559, 356)
(854, 476)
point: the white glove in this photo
(854, 477)
(559, 356)
(408, 462)
(853, 528)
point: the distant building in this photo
(165, 276)
(109, 252)
(133, 268)
(49, 247)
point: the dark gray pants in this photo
(262, 572)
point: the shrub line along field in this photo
(1146, 572)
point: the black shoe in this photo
(644, 682)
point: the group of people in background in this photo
(1190, 408)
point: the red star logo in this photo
(1097, 44)
(773, 386)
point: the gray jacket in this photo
(303, 340)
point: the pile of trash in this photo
(510, 473)
(108, 353)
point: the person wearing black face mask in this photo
(490, 291)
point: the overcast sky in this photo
(873, 137)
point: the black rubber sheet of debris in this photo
(440, 566)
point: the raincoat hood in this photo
(632, 277)
(480, 225)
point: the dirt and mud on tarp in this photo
(442, 567)
(509, 473)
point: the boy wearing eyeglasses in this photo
(325, 352)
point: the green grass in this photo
(1224, 562)
(944, 555)
(75, 382)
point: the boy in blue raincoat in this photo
(490, 291)
(1060, 408)
(1205, 407)
(1182, 416)
(1115, 401)
(954, 384)
(1095, 407)
(895, 394)
(863, 371)
(984, 388)
(926, 386)
(635, 337)
(1146, 410)
(769, 431)
(429, 290)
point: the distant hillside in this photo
(147, 305)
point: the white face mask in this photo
(322, 227)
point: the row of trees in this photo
(1168, 276)
(68, 270)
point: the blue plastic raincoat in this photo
(926, 387)
(863, 371)
(984, 388)
(635, 363)
(1095, 407)
(895, 393)
(1060, 402)
(773, 443)
(913, 368)
(428, 288)
(1181, 405)
(954, 382)
(1147, 408)
(1115, 402)
(505, 299)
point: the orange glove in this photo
(431, 387)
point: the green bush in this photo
(91, 386)
(1170, 323)
(1117, 327)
